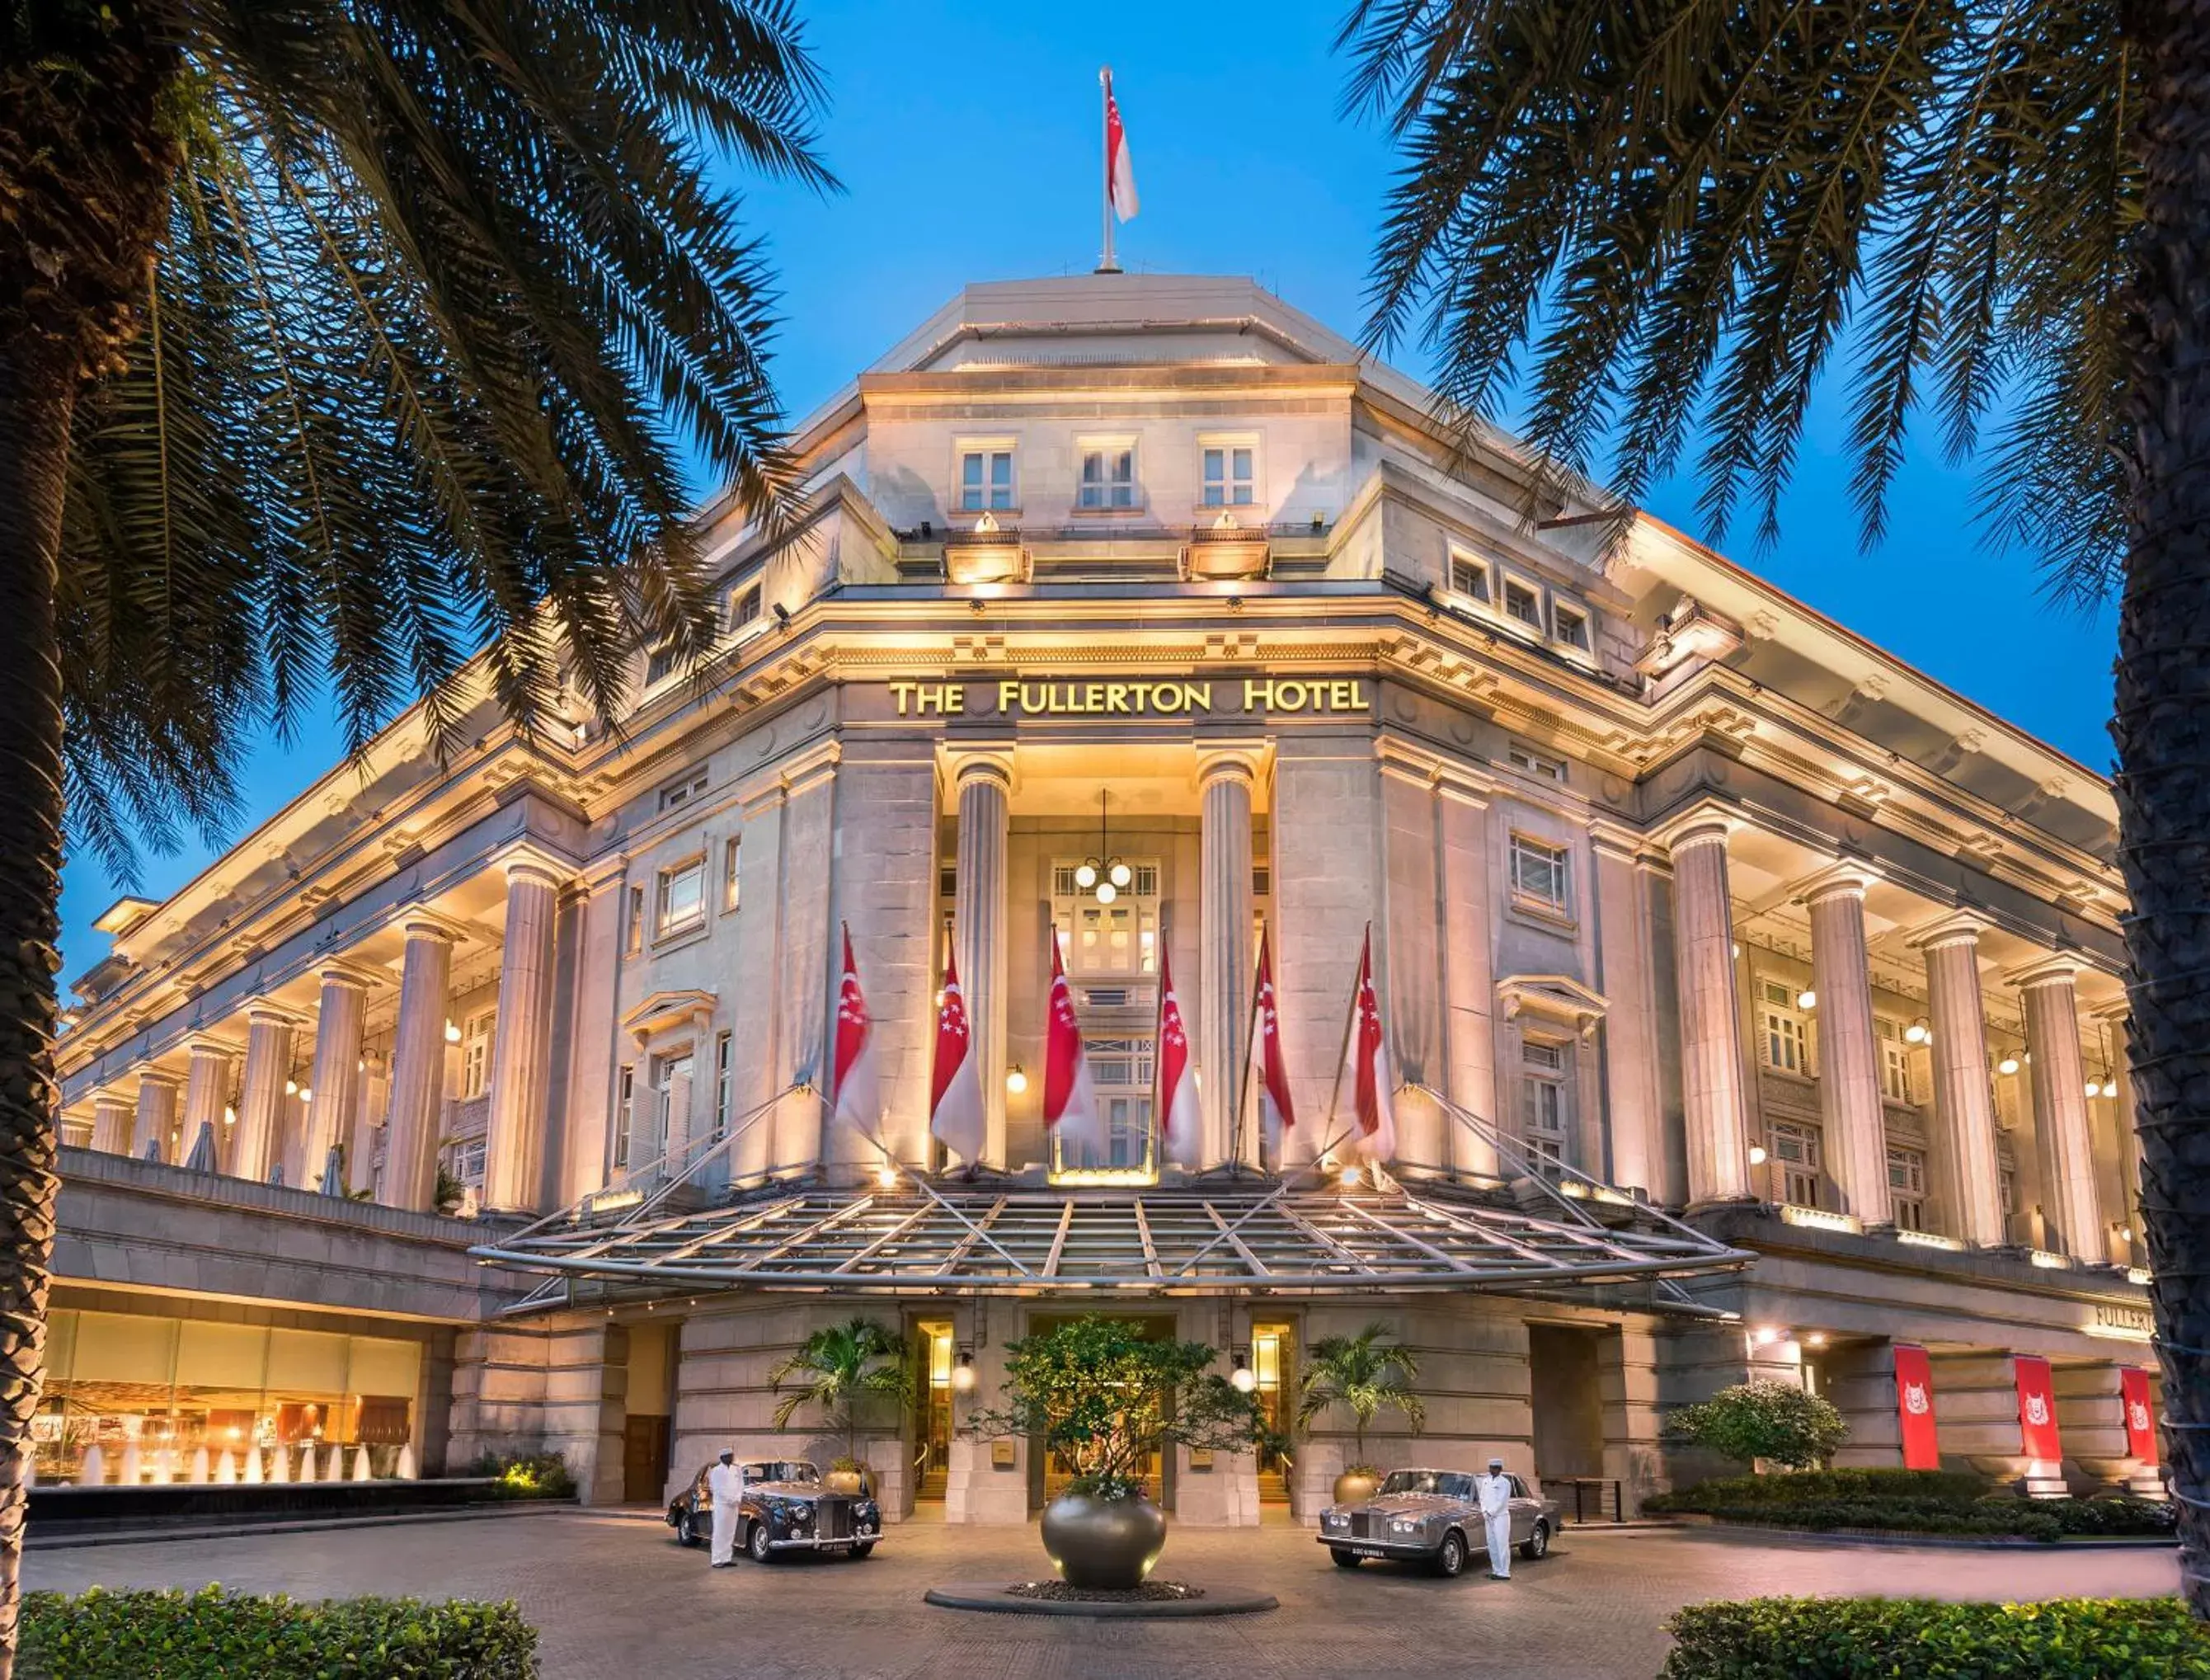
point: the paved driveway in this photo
(614, 1596)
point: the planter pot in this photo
(1109, 1544)
(1355, 1487)
(845, 1481)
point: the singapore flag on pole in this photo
(1377, 1124)
(1120, 168)
(1177, 1074)
(858, 1095)
(955, 1096)
(1070, 1105)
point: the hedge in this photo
(1920, 1502)
(212, 1635)
(1850, 1639)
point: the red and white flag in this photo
(859, 1099)
(1070, 1105)
(1276, 1113)
(1377, 1125)
(1180, 1121)
(955, 1094)
(1120, 167)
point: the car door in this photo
(1524, 1508)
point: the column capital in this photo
(159, 1076)
(266, 1010)
(530, 861)
(1957, 926)
(421, 922)
(1701, 824)
(343, 971)
(206, 1044)
(2117, 1013)
(1228, 761)
(1844, 877)
(2055, 969)
(993, 763)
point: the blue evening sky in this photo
(968, 138)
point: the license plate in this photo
(1367, 1551)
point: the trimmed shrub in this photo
(528, 1475)
(212, 1635)
(1807, 1487)
(1848, 1638)
(1779, 1420)
(1916, 1501)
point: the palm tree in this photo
(350, 351)
(839, 1366)
(1662, 219)
(1367, 1374)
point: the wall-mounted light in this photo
(2007, 1065)
(306, 1095)
(1816, 1338)
(1242, 1379)
(1757, 1155)
(452, 1033)
(1917, 1033)
(1016, 1080)
(886, 1176)
(1348, 1178)
(1736, 950)
(1807, 999)
(1765, 1335)
(2094, 1087)
(963, 1373)
(2110, 1087)
(291, 1087)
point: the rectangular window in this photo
(1536, 764)
(468, 1161)
(1906, 1187)
(1522, 603)
(682, 898)
(1119, 937)
(1230, 474)
(1538, 874)
(660, 666)
(732, 861)
(986, 480)
(1895, 1062)
(1120, 1074)
(1469, 577)
(1109, 477)
(1570, 625)
(633, 941)
(626, 1097)
(1544, 1102)
(676, 794)
(1781, 1035)
(721, 1088)
(671, 1081)
(475, 1052)
(1796, 1153)
(744, 605)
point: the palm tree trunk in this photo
(84, 184)
(2162, 728)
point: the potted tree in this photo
(1101, 1395)
(838, 1366)
(1364, 1374)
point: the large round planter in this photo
(1108, 1545)
(845, 1481)
(1355, 1487)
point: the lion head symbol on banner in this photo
(1914, 1400)
(2137, 1418)
(2036, 1409)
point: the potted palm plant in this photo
(837, 1367)
(1365, 1374)
(1100, 1396)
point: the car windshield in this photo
(782, 1470)
(1416, 1481)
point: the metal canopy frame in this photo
(1206, 1236)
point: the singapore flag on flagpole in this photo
(955, 1096)
(859, 1099)
(1178, 1107)
(1120, 167)
(1377, 1125)
(1070, 1105)
(1276, 1113)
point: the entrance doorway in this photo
(1049, 1473)
(1271, 1346)
(648, 1399)
(935, 1353)
(1562, 1368)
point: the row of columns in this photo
(1715, 1081)
(274, 1135)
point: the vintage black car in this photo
(786, 1508)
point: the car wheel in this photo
(686, 1529)
(1536, 1544)
(757, 1546)
(863, 1549)
(1450, 1556)
(1343, 1560)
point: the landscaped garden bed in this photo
(1910, 1502)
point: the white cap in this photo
(1496, 1463)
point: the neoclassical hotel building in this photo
(1756, 1002)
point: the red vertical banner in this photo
(1914, 1405)
(2140, 1422)
(2036, 1410)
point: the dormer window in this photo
(1230, 474)
(660, 666)
(986, 480)
(1570, 625)
(1522, 603)
(1470, 578)
(1109, 477)
(744, 605)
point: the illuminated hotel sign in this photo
(1170, 698)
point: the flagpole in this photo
(1343, 1056)
(1243, 1084)
(1105, 180)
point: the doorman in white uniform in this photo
(726, 1482)
(1495, 1491)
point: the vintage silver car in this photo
(785, 1508)
(1432, 1517)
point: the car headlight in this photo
(1334, 1520)
(1405, 1525)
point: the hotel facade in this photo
(1756, 1002)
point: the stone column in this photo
(207, 1092)
(261, 1102)
(336, 1079)
(1469, 972)
(1964, 1105)
(522, 1044)
(1636, 1122)
(2125, 1207)
(1849, 1057)
(1224, 783)
(418, 1068)
(978, 924)
(587, 1131)
(1711, 1027)
(157, 1113)
(2070, 1204)
(111, 1115)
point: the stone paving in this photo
(614, 1596)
